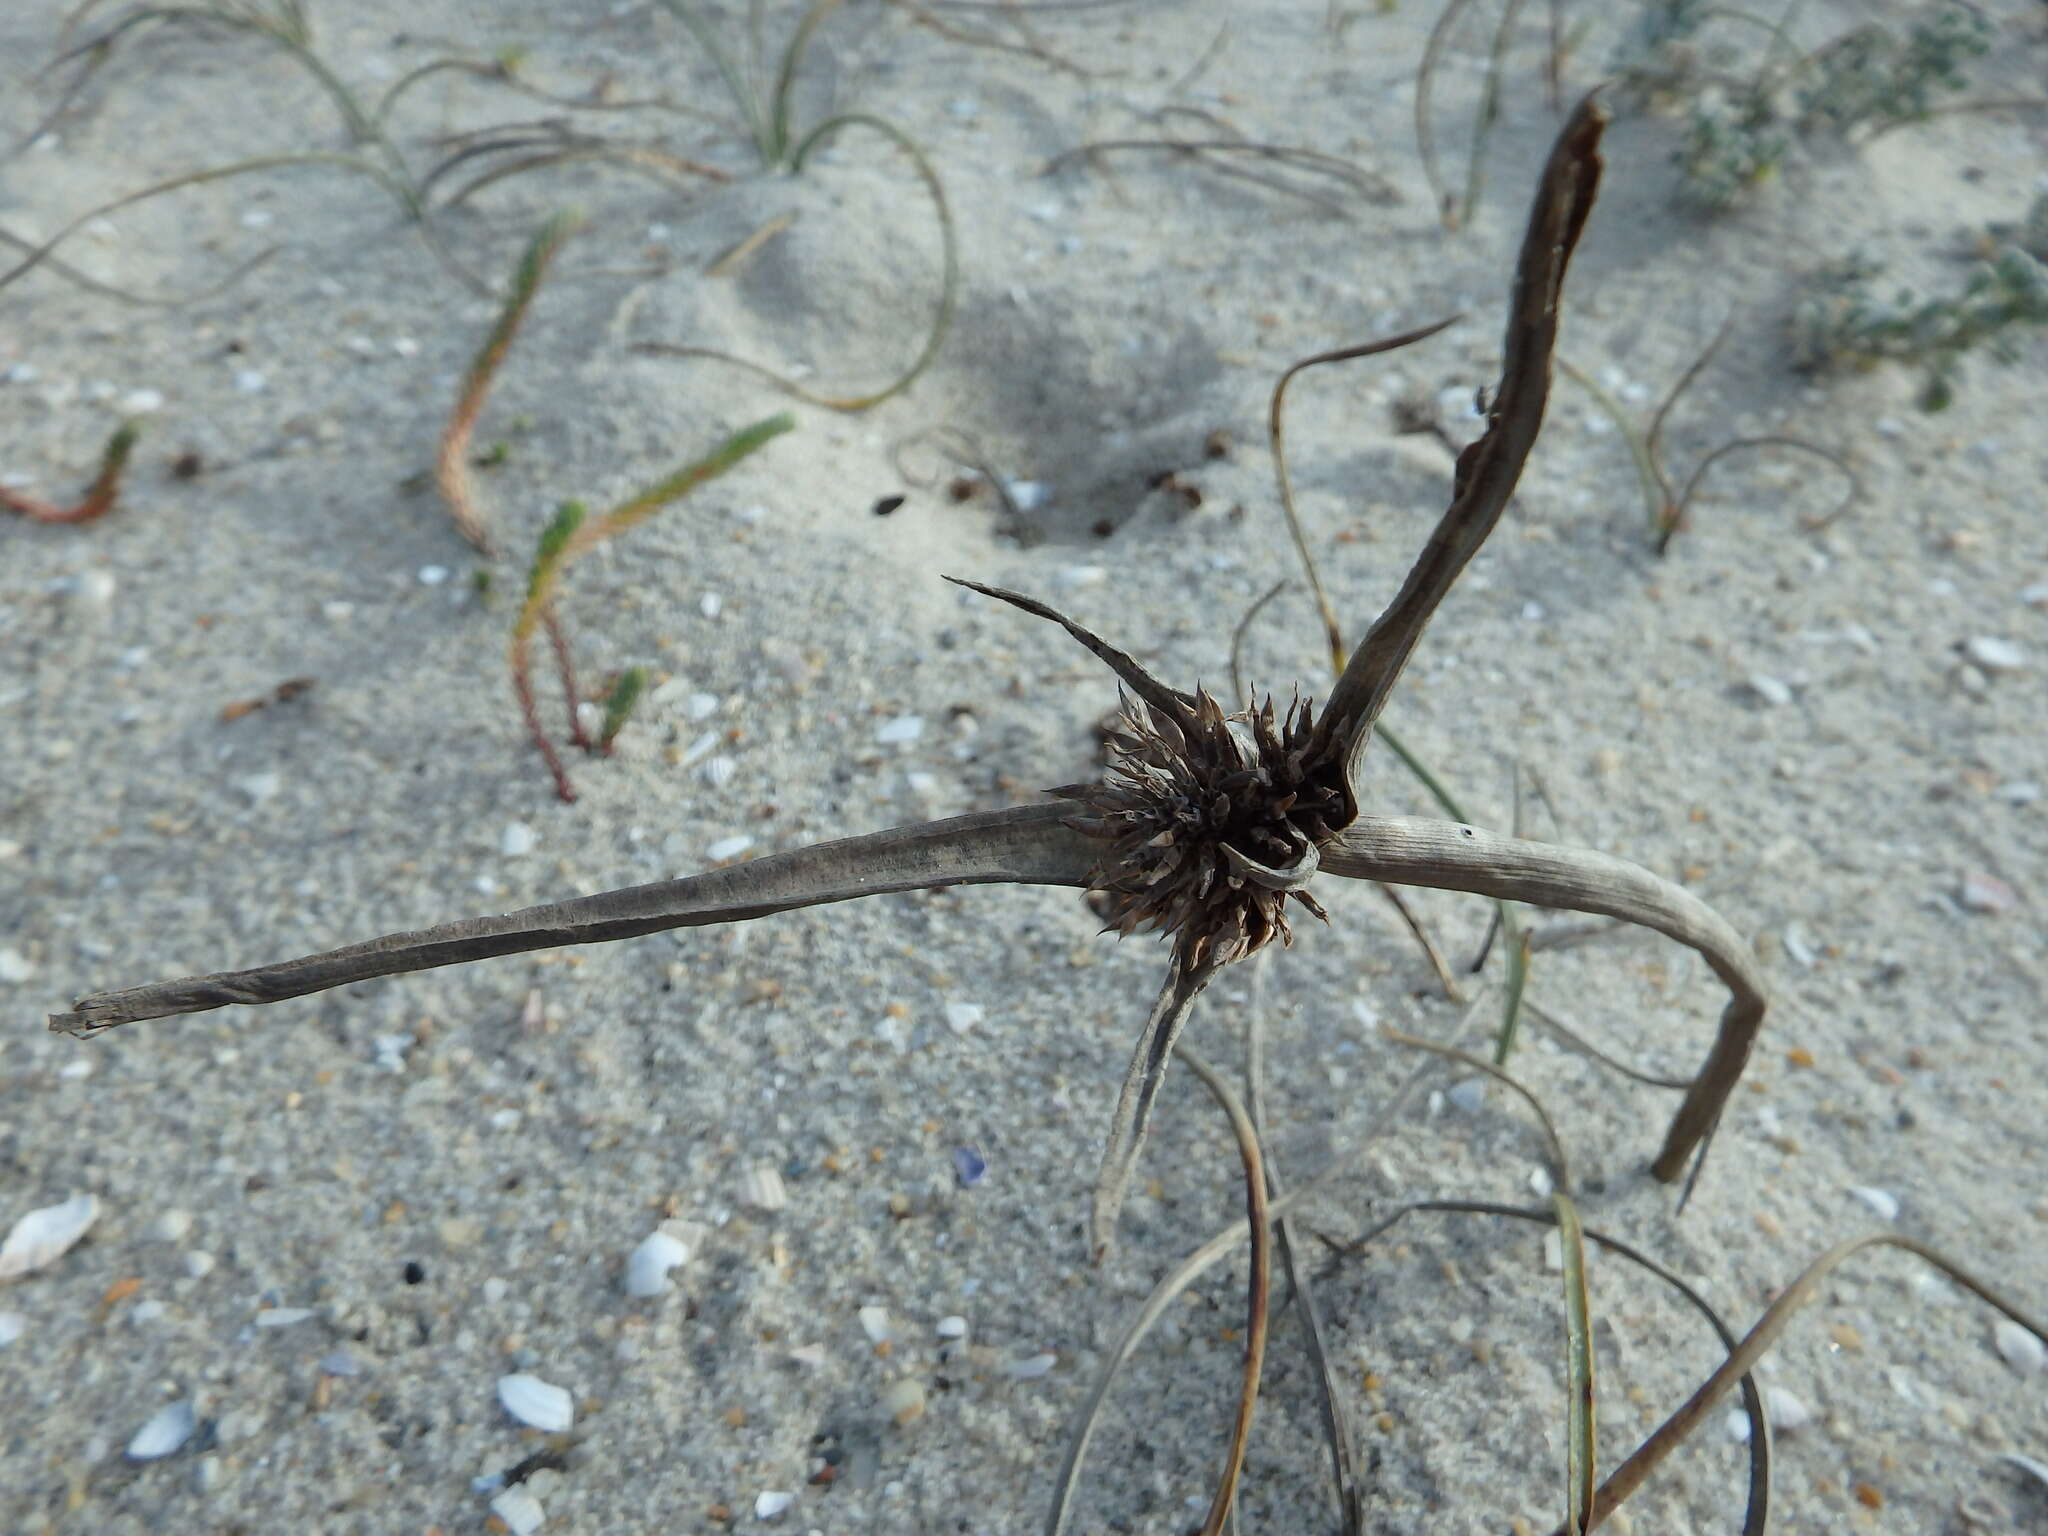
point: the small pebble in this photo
(762, 1188)
(405, 346)
(520, 1511)
(2035, 594)
(903, 1402)
(199, 1263)
(166, 1431)
(710, 605)
(647, 1269)
(171, 1226)
(1772, 690)
(969, 1167)
(517, 840)
(1786, 1412)
(140, 402)
(281, 1317)
(536, 1403)
(728, 848)
(45, 1235)
(251, 381)
(1995, 655)
(1467, 1094)
(2018, 792)
(1986, 893)
(433, 575)
(770, 1502)
(874, 1322)
(12, 1326)
(1031, 1367)
(260, 787)
(15, 967)
(701, 706)
(961, 1017)
(2022, 1351)
(1882, 1201)
(901, 729)
(954, 1327)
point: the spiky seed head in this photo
(1213, 822)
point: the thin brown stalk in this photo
(99, 497)
(1258, 1291)
(451, 461)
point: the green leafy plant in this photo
(1844, 322)
(568, 536)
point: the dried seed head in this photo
(1213, 822)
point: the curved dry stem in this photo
(1425, 87)
(1551, 1140)
(1812, 524)
(1757, 1518)
(504, 73)
(949, 279)
(1488, 469)
(1142, 1082)
(99, 497)
(1258, 1293)
(1571, 1039)
(1674, 1431)
(1336, 1424)
(105, 290)
(1276, 439)
(1026, 845)
(1452, 856)
(672, 171)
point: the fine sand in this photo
(332, 1226)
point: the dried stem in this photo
(99, 497)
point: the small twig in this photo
(99, 497)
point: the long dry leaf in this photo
(1027, 845)
(1452, 856)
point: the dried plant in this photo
(1843, 322)
(451, 461)
(571, 534)
(99, 497)
(1668, 505)
(1211, 828)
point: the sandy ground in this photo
(445, 1173)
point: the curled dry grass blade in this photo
(1456, 210)
(949, 278)
(451, 461)
(99, 497)
(571, 535)
(1666, 506)
(1756, 1518)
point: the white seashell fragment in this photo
(520, 1511)
(961, 1017)
(761, 1187)
(647, 1269)
(43, 1236)
(874, 1322)
(12, 1326)
(903, 1402)
(710, 605)
(954, 1327)
(728, 848)
(719, 771)
(167, 1430)
(701, 706)
(1467, 1094)
(539, 1404)
(1031, 1367)
(1786, 1412)
(2022, 1351)
(517, 840)
(899, 730)
(140, 402)
(1882, 1201)
(1774, 691)
(15, 967)
(281, 1317)
(1994, 654)
(770, 1502)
